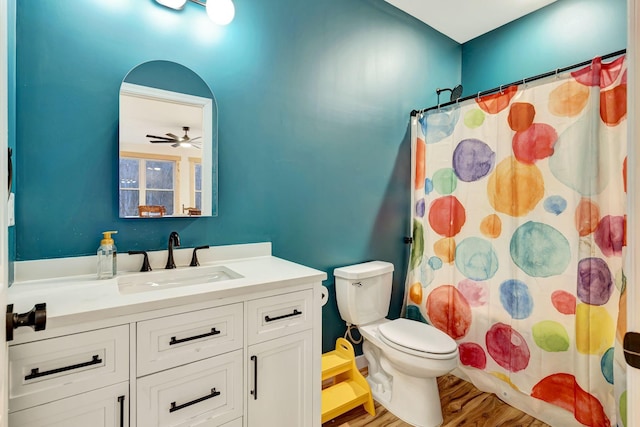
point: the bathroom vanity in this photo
(235, 342)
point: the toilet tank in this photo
(363, 291)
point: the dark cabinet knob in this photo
(36, 318)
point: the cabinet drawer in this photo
(183, 338)
(106, 407)
(280, 315)
(51, 369)
(203, 393)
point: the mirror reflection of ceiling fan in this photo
(176, 141)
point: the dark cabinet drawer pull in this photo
(175, 407)
(121, 401)
(254, 359)
(35, 372)
(214, 331)
(284, 316)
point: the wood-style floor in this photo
(462, 405)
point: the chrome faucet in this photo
(174, 239)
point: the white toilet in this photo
(404, 356)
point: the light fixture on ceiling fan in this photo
(221, 12)
(176, 141)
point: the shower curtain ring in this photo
(557, 70)
(501, 92)
(478, 96)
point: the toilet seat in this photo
(418, 339)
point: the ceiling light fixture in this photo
(173, 4)
(221, 12)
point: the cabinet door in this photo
(105, 407)
(279, 382)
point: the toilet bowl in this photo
(403, 378)
(404, 356)
(415, 348)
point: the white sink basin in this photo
(166, 279)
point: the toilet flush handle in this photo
(358, 284)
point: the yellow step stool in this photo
(350, 389)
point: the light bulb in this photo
(173, 4)
(221, 12)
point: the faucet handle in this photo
(194, 257)
(145, 262)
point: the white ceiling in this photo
(463, 20)
(141, 116)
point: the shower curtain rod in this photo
(524, 81)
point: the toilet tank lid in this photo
(364, 270)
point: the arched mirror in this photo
(167, 144)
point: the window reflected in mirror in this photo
(147, 182)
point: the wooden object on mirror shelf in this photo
(191, 211)
(150, 211)
(462, 405)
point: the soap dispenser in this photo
(107, 266)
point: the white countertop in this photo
(81, 298)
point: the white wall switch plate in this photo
(11, 212)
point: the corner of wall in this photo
(11, 95)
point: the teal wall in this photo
(559, 35)
(313, 99)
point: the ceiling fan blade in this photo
(175, 145)
(161, 142)
(197, 137)
(173, 136)
(160, 137)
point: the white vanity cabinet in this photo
(280, 360)
(243, 353)
(210, 391)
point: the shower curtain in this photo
(518, 208)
